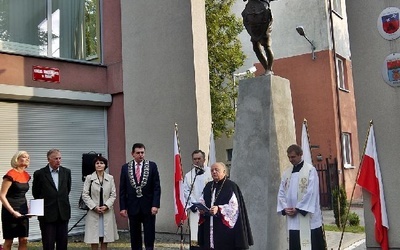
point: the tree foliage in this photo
(225, 55)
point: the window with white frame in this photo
(341, 74)
(67, 29)
(337, 6)
(346, 145)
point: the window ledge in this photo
(337, 14)
(348, 166)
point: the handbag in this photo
(82, 205)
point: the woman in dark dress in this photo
(12, 195)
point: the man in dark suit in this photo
(140, 194)
(53, 184)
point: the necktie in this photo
(137, 172)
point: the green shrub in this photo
(353, 219)
(339, 206)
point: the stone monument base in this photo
(264, 129)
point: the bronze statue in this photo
(257, 19)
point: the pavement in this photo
(335, 240)
(345, 241)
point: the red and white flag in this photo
(371, 180)
(179, 199)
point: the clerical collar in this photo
(220, 181)
(296, 168)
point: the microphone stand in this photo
(186, 205)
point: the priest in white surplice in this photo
(298, 200)
(203, 176)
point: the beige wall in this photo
(165, 80)
(379, 102)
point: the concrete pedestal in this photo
(264, 129)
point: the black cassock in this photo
(225, 238)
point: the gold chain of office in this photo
(219, 191)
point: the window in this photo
(341, 74)
(229, 154)
(346, 145)
(54, 28)
(337, 6)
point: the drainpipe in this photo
(337, 90)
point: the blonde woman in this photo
(12, 195)
(99, 194)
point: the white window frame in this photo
(341, 73)
(347, 153)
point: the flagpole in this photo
(355, 182)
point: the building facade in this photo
(98, 76)
(322, 90)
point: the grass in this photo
(348, 229)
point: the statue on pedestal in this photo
(257, 19)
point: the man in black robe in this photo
(225, 225)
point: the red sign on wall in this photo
(46, 74)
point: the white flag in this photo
(305, 144)
(211, 154)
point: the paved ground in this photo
(346, 241)
(166, 241)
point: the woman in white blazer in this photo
(99, 194)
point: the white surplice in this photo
(300, 190)
(198, 186)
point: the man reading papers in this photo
(227, 226)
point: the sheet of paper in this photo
(36, 207)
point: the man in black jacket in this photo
(53, 184)
(139, 194)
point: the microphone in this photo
(199, 170)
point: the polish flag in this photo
(180, 214)
(371, 180)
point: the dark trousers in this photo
(54, 233)
(149, 229)
(317, 239)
